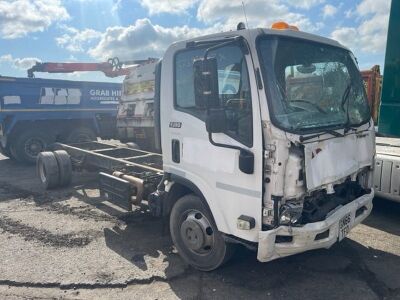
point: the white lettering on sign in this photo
(116, 93)
(105, 96)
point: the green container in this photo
(389, 114)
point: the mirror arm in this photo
(223, 145)
(247, 166)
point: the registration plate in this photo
(344, 226)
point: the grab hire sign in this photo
(105, 95)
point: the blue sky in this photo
(93, 30)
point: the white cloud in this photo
(26, 62)
(75, 40)
(6, 58)
(116, 6)
(228, 13)
(346, 35)
(141, 40)
(144, 39)
(329, 10)
(260, 13)
(371, 33)
(20, 17)
(349, 13)
(170, 6)
(305, 4)
(373, 7)
(19, 63)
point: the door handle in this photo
(176, 151)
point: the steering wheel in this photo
(310, 103)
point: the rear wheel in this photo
(27, 146)
(64, 166)
(48, 170)
(80, 135)
(196, 236)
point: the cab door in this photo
(229, 192)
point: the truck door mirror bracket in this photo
(246, 157)
(216, 123)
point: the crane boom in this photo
(112, 68)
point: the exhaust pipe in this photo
(136, 182)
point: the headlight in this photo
(290, 213)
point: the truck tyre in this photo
(196, 236)
(80, 135)
(64, 166)
(27, 146)
(48, 170)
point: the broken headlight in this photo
(290, 213)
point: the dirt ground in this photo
(72, 244)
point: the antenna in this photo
(245, 16)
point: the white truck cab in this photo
(267, 141)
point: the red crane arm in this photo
(111, 68)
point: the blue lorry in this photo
(37, 112)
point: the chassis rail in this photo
(110, 157)
(126, 175)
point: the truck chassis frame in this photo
(126, 175)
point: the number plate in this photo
(344, 226)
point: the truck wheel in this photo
(64, 166)
(48, 170)
(29, 144)
(196, 236)
(80, 135)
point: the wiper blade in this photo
(332, 132)
(348, 128)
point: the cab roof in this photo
(269, 32)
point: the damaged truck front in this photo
(319, 147)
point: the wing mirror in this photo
(216, 121)
(206, 83)
(246, 161)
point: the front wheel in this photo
(196, 236)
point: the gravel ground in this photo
(72, 244)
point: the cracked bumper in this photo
(306, 237)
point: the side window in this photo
(233, 85)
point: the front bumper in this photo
(316, 235)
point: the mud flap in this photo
(117, 191)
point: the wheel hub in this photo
(196, 233)
(33, 147)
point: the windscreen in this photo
(311, 86)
